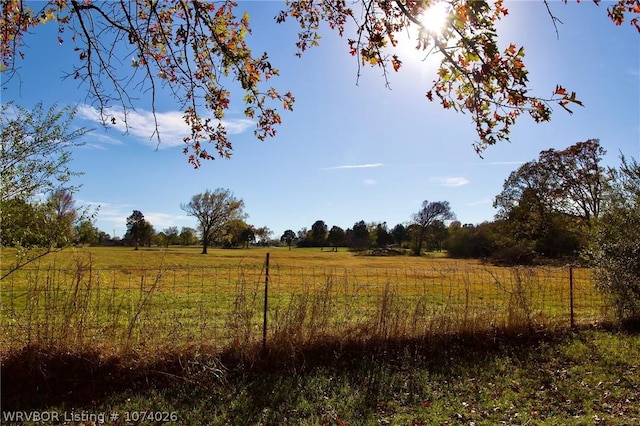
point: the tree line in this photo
(426, 229)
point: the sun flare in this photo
(434, 19)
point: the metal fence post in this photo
(266, 299)
(571, 296)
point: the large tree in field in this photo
(139, 231)
(430, 213)
(336, 237)
(288, 237)
(319, 231)
(197, 51)
(213, 209)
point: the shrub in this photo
(615, 246)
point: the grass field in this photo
(351, 340)
(121, 299)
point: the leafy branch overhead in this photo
(475, 76)
(198, 52)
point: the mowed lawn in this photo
(118, 297)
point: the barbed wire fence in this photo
(235, 306)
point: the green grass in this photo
(586, 377)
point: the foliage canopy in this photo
(198, 52)
(214, 210)
(615, 248)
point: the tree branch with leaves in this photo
(198, 52)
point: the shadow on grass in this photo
(37, 378)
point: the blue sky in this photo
(350, 152)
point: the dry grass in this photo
(117, 300)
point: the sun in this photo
(416, 43)
(434, 19)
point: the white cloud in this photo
(141, 124)
(161, 221)
(112, 217)
(99, 140)
(481, 202)
(450, 181)
(355, 166)
(369, 182)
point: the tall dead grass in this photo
(82, 307)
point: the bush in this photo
(519, 254)
(615, 247)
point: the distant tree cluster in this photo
(221, 222)
(426, 229)
(546, 210)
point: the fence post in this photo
(266, 298)
(571, 296)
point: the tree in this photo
(236, 233)
(288, 237)
(248, 235)
(428, 215)
(569, 181)
(36, 228)
(551, 202)
(336, 237)
(196, 50)
(383, 237)
(213, 209)
(319, 233)
(60, 215)
(358, 237)
(35, 150)
(23, 225)
(435, 235)
(479, 241)
(188, 236)
(263, 233)
(87, 233)
(615, 247)
(399, 234)
(160, 239)
(172, 235)
(139, 231)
